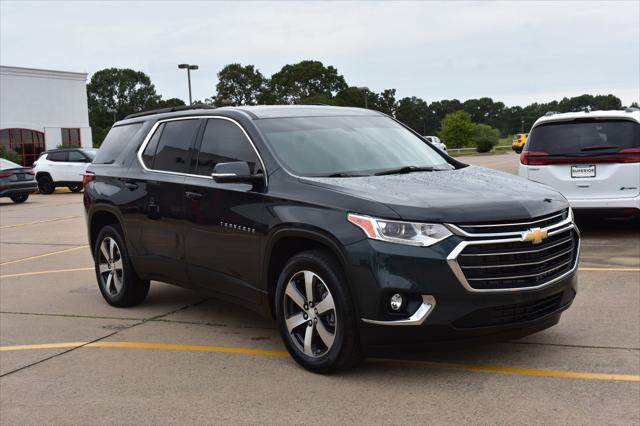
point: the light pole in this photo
(114, 112)
(365, 90)
(188, 68)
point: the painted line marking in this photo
(24, 259)
(564, 374)
(55, 271)
(39, 221)
(609, 269)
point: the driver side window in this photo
(223, 141)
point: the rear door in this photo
(76, 165)
(223, 232)
(57, 165)
(159, 239)
(586, 158)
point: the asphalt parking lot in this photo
(66, 357)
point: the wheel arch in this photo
(285, 243)
(100, 218)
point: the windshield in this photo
(585, 137)
(90, 152)
(357, 146)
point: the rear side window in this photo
(77, 157)
(585, 137)
(57, 156)
(116, 142)
(223, 142)
(150, 150)
(174, 144)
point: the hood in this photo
(471, 194)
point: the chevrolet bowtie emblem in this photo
(535, 235)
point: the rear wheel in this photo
(75, 188)
(118, 282)
(45, 184)
(315, 314)
(20, 198)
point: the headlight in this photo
(411, 233)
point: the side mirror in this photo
(235, 172)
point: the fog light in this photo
(396, 302)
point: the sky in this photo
(514, 52)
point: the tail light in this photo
(4, 175)
(86, 178)
(538, 158)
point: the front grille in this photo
(495, 256)
(495, 266)
(511, 314)
(515, 226)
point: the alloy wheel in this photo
(110, 266)
(310, 314)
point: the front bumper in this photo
(379, 269)
(18, 188)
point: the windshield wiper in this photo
(403, 170)
(342, 174)
(597, 148)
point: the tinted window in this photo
(150, 150)
(322, 146)
(584, 137)
(115, 143)
(77, 157)
(224, 141)
(174, 144)
(57, 156)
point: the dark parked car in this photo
(16, 182)
(343, 224)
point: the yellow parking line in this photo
(38, 221)
(610, 269)
(54, 271)
(44, 255)
(269, 352)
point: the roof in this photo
(42, 73)
(569, 116)
(281, 111)
(256, 112)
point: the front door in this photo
(224, 231)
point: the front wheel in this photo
(118, 282)
(315, 313)
(20, 198)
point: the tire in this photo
(19, 198)
(118, 282)
(75, 188)
(46, 185)
(333, 343)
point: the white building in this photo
(41, 109)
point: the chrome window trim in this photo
(452, 260)
(147, 138)
(458, 231)
(421, 314)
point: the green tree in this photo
(485, 137)
(170, 103)
(386, 102)
(9, 154)
(456, 129)
(293, 83)
(114, 93)
(413, 113)
(239, 85)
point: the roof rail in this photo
(550, 113)
(632, 109)
(165, 110)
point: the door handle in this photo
(130, 185)
(193, 195)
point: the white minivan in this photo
(592, 158)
